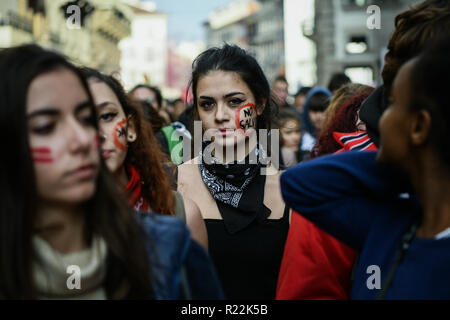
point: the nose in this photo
(80, 137)
(101, 135)
(221, 113)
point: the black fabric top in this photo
(239, 192)
(248, 261)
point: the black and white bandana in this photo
(238, 189)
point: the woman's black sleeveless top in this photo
(248, 261)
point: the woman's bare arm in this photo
(195, 222)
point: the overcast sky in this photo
(187, 16)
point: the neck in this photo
(293, 148)
(121, 177)
(63, 227)
(431, 180)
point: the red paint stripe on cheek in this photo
(41, 155)
(117, 141)
(41, 150)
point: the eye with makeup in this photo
(207, 104)
(108, 116)
(42, 126)
(236, 102)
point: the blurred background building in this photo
(256, 26)
(145, 51)
(304, 40)
(343, 41)
(307, 41)
(91, 40)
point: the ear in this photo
(131, 131)
(420, 127)
(260, 110)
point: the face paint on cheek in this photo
(245, 117)
(120, 130)
(42, 155)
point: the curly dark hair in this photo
(414, 30)
(144, 153)
(344, 120)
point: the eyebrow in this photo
(106, 103)
(81, 106)
(225, 96)
(52, 111)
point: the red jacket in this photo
(315, 265)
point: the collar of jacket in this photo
(167, 242)
(370, 113)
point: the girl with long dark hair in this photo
(246, 218)
(61, 212)
(133, 156)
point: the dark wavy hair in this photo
(344, 120)
(144, 153)
(414, 30)
(150, 114)
(232, 58)
(342, 95)
(105, 214)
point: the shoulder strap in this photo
(406, 242)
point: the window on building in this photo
(356, 45)
(252, 30)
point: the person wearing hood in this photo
(317, 101)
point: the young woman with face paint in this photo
(132, 155)
(246, 218)
(66, 231)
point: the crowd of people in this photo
(101, 179)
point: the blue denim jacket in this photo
(181, 268)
